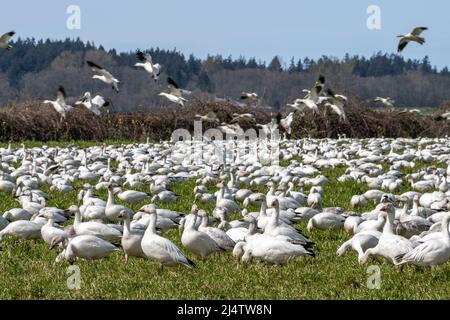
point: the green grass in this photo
(28, 270)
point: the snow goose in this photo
(370, 225)
(94, 105)
(17, 214)
(4, 40)
(104, 75)
(432, 252)
(387, 102)
(412, 36)
(337, 103)
(326, 220)
(351, 223)
(97, 229)
(312, 98)
(162, 224)
(273, 251)
(250, 96)
(220, 237)
(60, 104)
(274, 227)
(210, 117)
(286, 124)
(131, 238)
(390, 246)
(230, 205)
(165, 196)
(147, 64)
(132, 196)
(53, 235)
(199, 243)
(161, 249)
(86, 247)
(360, 243)
(112, 210)
(174, 94)
(27, 230)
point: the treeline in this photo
(34, 69)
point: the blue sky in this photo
(252, 28)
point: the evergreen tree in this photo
(275, 65)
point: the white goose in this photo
(390, 246)
(161, 249)
(271, 250)
(97, 229)
(199, 243)
(53, 235)
(86, 247)
(132, 196)
(146, 63)
(432, 252)
(94, 105)
(274, 227)
(360, 243)
(326, 220)
(174, 95)
(4, 40)
(131, 238)
(104, 75)
(219, 236)
(412, 36)
(27, 230)
(60, 104)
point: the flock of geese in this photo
(312, 100)
(407, 227)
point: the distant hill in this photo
(35, 68)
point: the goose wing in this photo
(172, 250)
(96, 68)
(317, 89)
(61, 95)
(143, 57)
(173, 87)
(417, 31)
(7, 36)
(99, 101)
(402, 44)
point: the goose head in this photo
(388, 198)
(149, 209)
(239, 251)
(72, 209)
(194, 209)
(274, 203)
(123, 214)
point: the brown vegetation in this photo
(36, 121)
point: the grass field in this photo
(28, 270)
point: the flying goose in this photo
(412, 36)
(286, 123)
(387, 102)
(174, 95)
(336, 103)
(105, 76)
(444, 116)
(60, 103)
(4, 40)
(210, 117)
(93, 104)
(312, 98)
(146, 63)
(252, 96)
